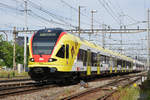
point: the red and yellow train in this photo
(56, 54)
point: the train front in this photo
(41, 63)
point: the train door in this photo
(111, 64)
(98, 63)
(122, 65)
(116, 65)
(61, 55)
(67, 55)
(125, 66)
(88, 62)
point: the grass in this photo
(129, 93)
(145, 90)
(134, 92)
(12, 74)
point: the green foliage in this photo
(23, 74)
(145, 90)
(128, 93)
(19, 54)
(7, 74)
(131, 93)
(12, 74)
(6, 53)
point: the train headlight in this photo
(51, 59)
(32, 59)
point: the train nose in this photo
(42, 73)
(52, 70)
(38, 70)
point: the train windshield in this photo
(44, 42)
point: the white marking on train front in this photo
(41, 58)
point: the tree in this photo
(6, 53)
(1, 60)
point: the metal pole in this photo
(14, 49)
(121, 43)
(92, 20)
(91, 24)
(103, 36)
(25, 37)
(148, 39)
(79, 21)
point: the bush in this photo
(12, 74)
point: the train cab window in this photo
(84, 58)
(94, 59)
(80, 55)
(61, 52)
(67, 51)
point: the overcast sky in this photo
(110, 12)
(64, 13)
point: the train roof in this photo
(51, 30)
(104, 51)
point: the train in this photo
(55, 54)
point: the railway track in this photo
(28, 86)
(14, 80)
(19, 86)
(105, 91)
(23, 88)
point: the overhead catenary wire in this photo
(9, 7)
(47, 20)
(54, 16)
(115, 14)
(60, 18)
(31, 13)
(108, 10)
(84, 15)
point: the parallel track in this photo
(30, 86)
(23, 88)
(14, 80)
(103, 92)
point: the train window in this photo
(119, 62)
(61, 52)
(94, 59)
(101, 58)
(80, 55)
(67, 51)
(111, 62)
(107, 59)
(124, 65)
(85, 58)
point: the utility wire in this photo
(31, 14)
(9, 7)
(110, 13)
(54, 16)
(45, 19)
(122, 12)
(109, 7)
(76, 10)
(49, 13)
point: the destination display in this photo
(48, 34)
